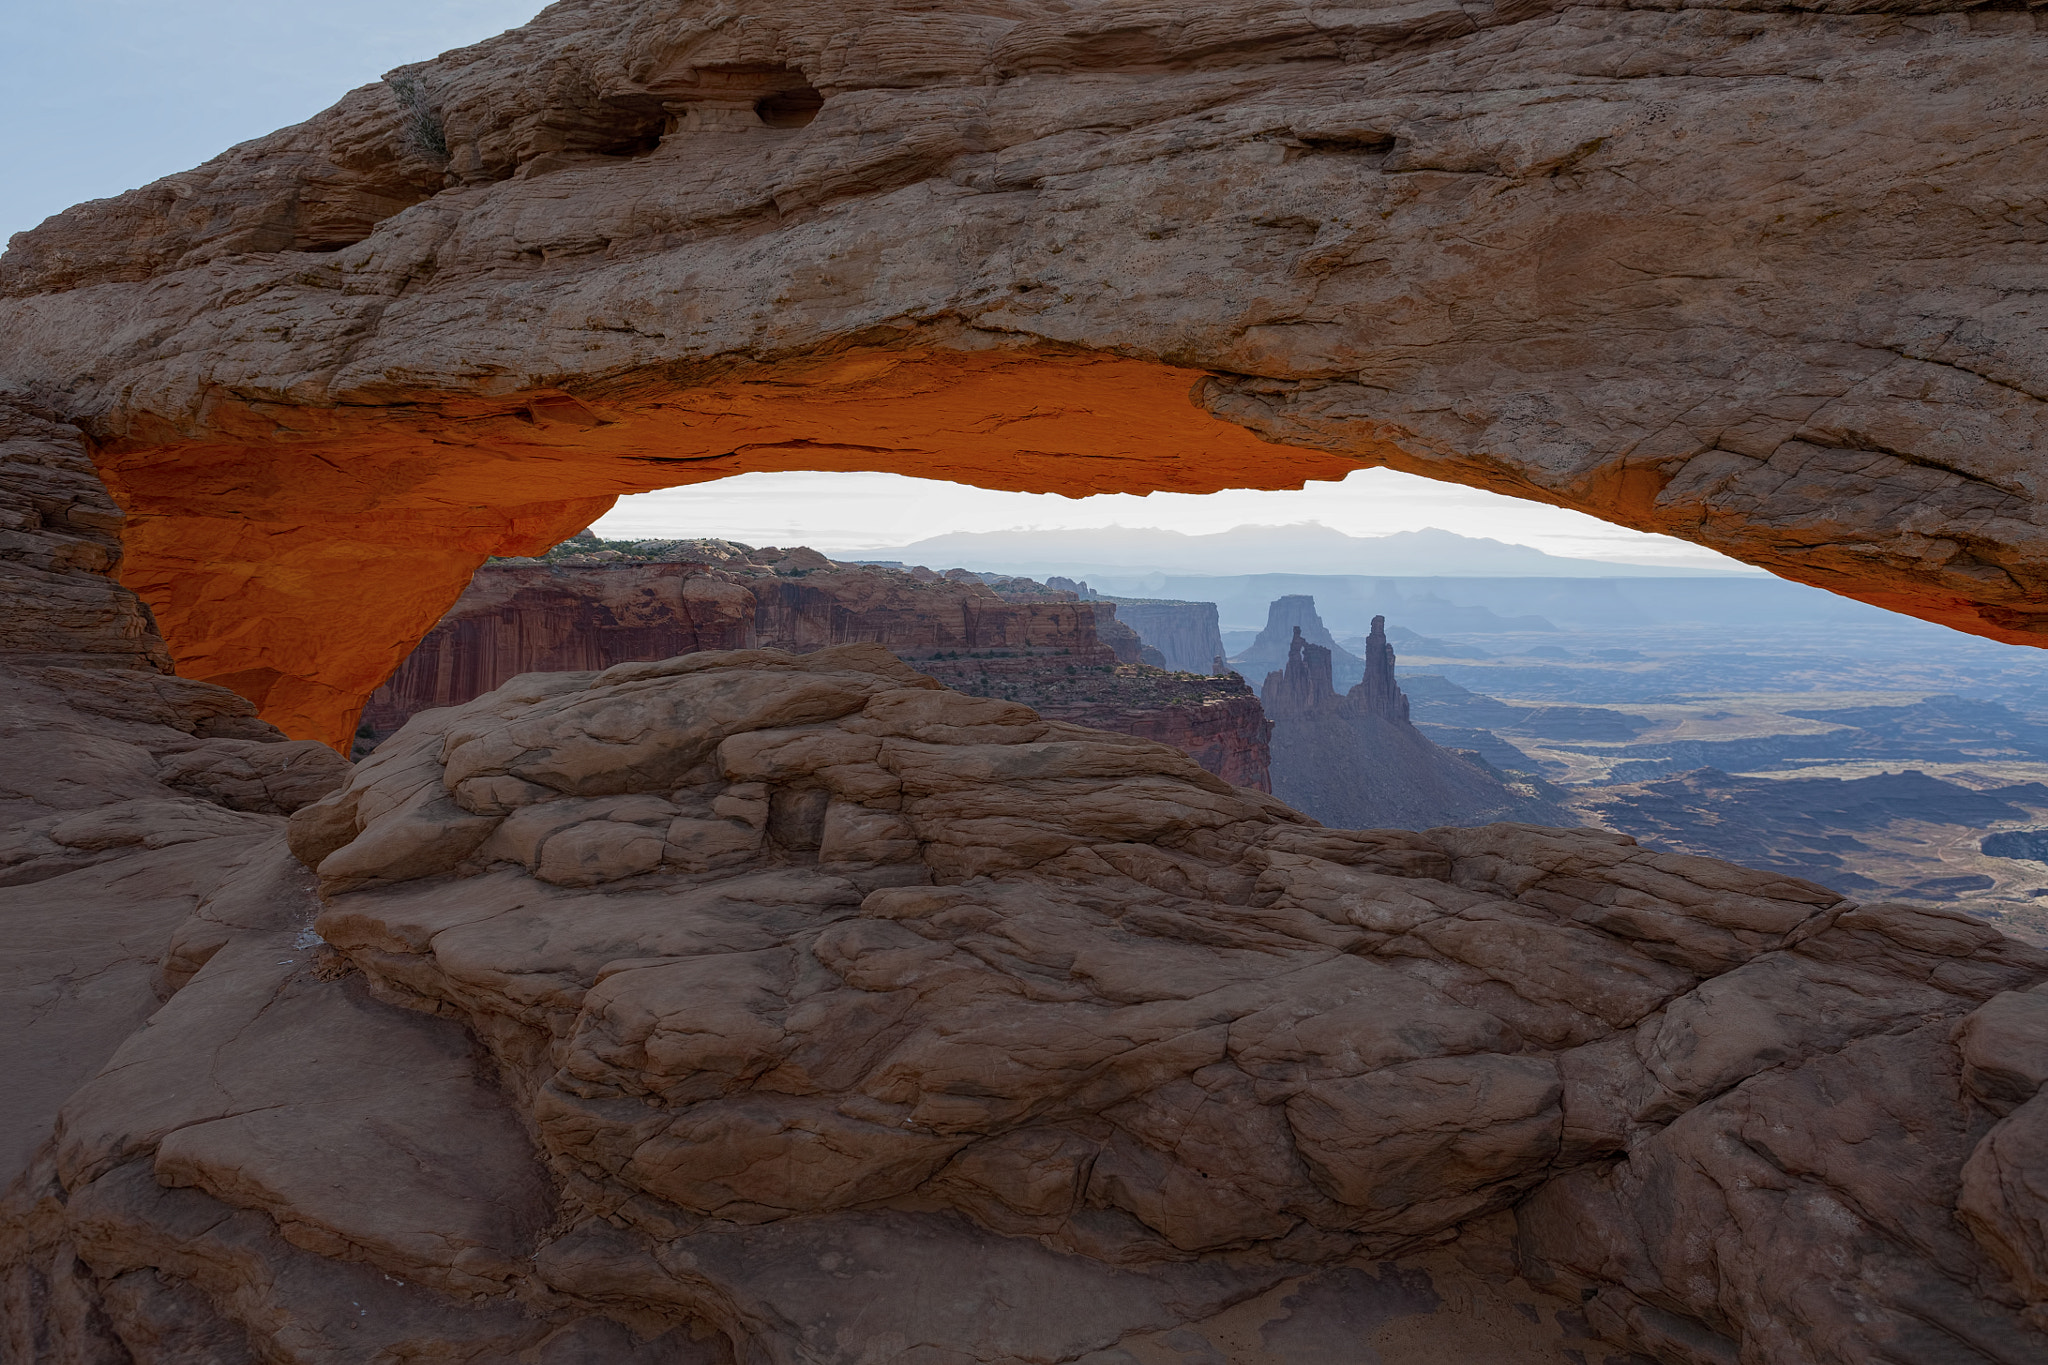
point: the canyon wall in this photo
(1757, 274)
(946, 1027)
(128, 798)
(1217, 721)
(1353, 759)
(1015, 639)
(1185, 633)
(59, 544)
(1124, 642)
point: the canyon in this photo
(762, 1006)
(1778, 751)
(1185, 633)
(1017, 639)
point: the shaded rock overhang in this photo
(1763, 278)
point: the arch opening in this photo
(299, 564)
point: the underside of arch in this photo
(299, 572)
(299, 566)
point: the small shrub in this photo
(424, 131)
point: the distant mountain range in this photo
(1303, 549)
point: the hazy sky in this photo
(870, 511)
(100, 96)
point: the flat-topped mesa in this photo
(1014, 639)
(1758, 286)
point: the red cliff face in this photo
(1218, 722)
(1182, 636)
(1019, 641)
(1226, 731)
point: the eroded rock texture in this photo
(529, 616)
(60, 539)
(103, 754)
(130, 801)
(751, 1006)
(1758, 275)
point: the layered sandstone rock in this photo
(128, 800)
(827, 1015)
(60, 539)
(753, 1006)
(1217, 721)
(1753, 274)
(1354, 759)
(1016, 639)
(103, 755)
(787, 1008)
(523, 617)
(1123, 640)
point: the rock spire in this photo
(1289, 616)
(1356, 759)
(1377, 692)
(1302, 688)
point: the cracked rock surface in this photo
(761, 1007)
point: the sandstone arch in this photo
(1761, 278)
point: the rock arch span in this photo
(1765, 279)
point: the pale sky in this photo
(845, 512)
(100, 96)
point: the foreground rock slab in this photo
(1757, 275)
(759, 1007)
